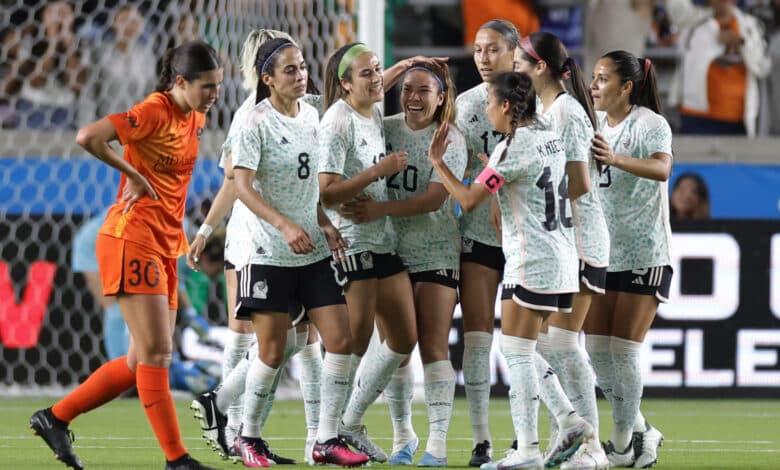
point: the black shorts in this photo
(473, 251)
(595, 279)
(644, 281)
(370, 265)
(263, 288)
(229, 265)
(298, 314)
(444, 277)
(534, 301)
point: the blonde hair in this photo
(255, 39)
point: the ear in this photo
(506, 107)
(541, 67)
(267, 79)
(626, 88)
(346, 85)
(440, 99)
(179, 81)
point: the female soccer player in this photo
(526, 170)
(635, 146)
(274, 156)
(139, 242)
(427, 242)
(354, 165)
(545, 59)
(482, 261)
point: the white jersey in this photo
(567, 117)
(481, 137)
(349, 144)
(430, 241)
(636, 209)
(284, 152)
(317, 101)
(538, 239)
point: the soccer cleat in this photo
(429, 460)
(308, 449)
(185, 462)
(646, 446)
(254, 452)
(357, 437)
(57, 436)
(590, 456)
(620, 459)
(212, 422)
(275, 459)
(516, 460)
(482, 454)
(566, 443)
(231, 433)
(335, 452)
(405, 456)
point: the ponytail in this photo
(641, 72)
(647, 95)
(580, 90)
(166, 74)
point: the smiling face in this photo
(420, 98)
(366, 86)
(492, 54)
(289, 75)
(201, 93)
(608, 92)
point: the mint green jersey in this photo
(317, 101)
(481, 137)
(567, 117)
(636, 209)
(284, 152)
(349, 144)
(430, 241)
(538, 239)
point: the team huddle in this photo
(342, 219)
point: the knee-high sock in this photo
(259, 381)
(311, 380)
(107, 382)
(372, 381)
(543, 348)
(236, 348)
(476, 375)
(290, 347)
(334, 394)
(399, 393)
(154, 392)
(439, 395)
(520, 354)
(598, 347)
(628, 389)
(354, 363)
(552, 394)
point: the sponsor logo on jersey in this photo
(474, 118)
(363, 142)
(284, 141)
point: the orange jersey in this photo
(161, 142)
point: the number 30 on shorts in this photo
(143, 271)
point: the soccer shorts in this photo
(370, 265)
(473, 251)
(595, 279)
(644, 281)
(444, 277)
(532, 300)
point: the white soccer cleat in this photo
(646, 446)
(620, 459)
(517, 460)
(590, 456)
(357, 437)
(567, 442)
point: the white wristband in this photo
(205, 230)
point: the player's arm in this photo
(365, 210)
(335, 189)
(657, 167)
(579, 179)
(391, 75)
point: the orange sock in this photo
(154, 391)
(108, 382)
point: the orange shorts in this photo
(131, 268)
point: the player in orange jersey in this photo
(139, 242)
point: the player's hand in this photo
(336, 242)
(362, 211)
(297, 239)
(601, 150)
(439, 143)
(392, 164)
(495, 217)
(136, 187)
(484, 158)
(440, 61)
(196, 248)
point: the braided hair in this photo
(517, 89)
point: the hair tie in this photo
(566, 69)
(647, 65)
(349, 56)
(525, 44)
(268, 59)
(438, 80)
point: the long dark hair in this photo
(518, 89)
(641, 72)
(188, 60)
(445, 112)
(549, 48)
(265, 62)
(702, 191)
(333, 89)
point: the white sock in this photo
(439, 395)
(520, 354)
(354, 363)
(399, 393)
(640, 423)
(575, 374)
(289, 350)
(311, 379)
(259, 381)
(476, 375)
(231, 390)
(301, 338)
(236, 347)
(628, 389)
(372, 381)
(552, 395)
(601, 360)
(334, 394)
(543, 348)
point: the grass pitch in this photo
(699, 434)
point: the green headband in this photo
(349, 56)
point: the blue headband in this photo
(268, 59)
(438, 80)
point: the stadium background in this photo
(719, 336)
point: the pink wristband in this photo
(490, 179)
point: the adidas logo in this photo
(284, 141)
(638, 281)
(363, 142)
(474, 118)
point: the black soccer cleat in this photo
(481, 454)
(57, 436)
(185, 462)
(276, 459)
(212, 422)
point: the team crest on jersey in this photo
(260, 290)
(468, 245)
(366, 260)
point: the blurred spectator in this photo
(723, 57)
(616, 24)
(690, 198)
(521, 13)
(46, 69)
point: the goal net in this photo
(64, 64)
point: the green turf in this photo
(699, 434)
